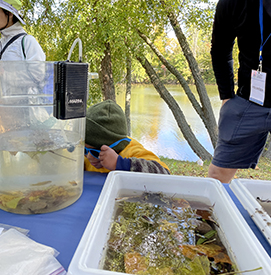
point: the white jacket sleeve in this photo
(33, 50)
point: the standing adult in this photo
(245, 115)
(23, 47)
(17, 45)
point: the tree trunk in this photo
(128, 93)
(176, 110)
(267, 148)
(106, 75)
(208, 121)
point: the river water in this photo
(153, 124)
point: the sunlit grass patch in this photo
(187, 168)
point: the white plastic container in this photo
(247, 192)
(243, 247)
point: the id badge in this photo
(257, 87)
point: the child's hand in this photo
(108, 158)
(93, 161)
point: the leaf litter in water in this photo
(155, 234)
(41, 199)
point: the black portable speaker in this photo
(70, 89)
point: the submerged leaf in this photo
(134, 263)
(211, 251)
(199, 265)
(181, 203)
(13, 203)
(206, 216)
(206, 237)
(11, 199)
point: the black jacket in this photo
(240, 18)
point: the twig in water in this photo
(61, 155)
(238, 272)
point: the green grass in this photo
(186, 168)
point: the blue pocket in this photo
(230, 117)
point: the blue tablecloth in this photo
(63, 229)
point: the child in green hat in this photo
(108, 148)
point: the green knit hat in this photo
(105, 124)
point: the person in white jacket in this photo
(26, 77)
(25, 46)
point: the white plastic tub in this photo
(247, 192)
(243, 247)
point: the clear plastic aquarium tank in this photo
(41, 157)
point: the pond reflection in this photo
(153, 124)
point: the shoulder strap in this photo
(10, 41)
(23, 45)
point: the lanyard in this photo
(261, 28)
